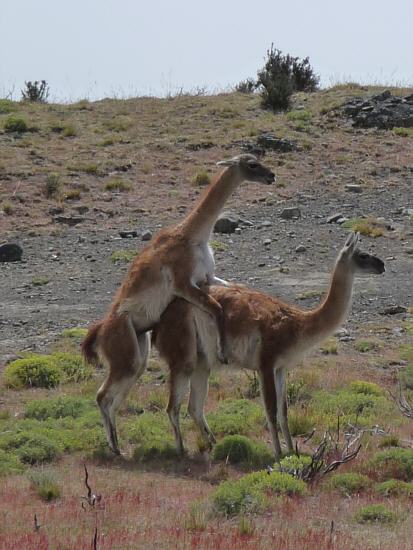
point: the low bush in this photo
(76, 332)
(392, 463)
(236, 416)
(7, 106)
(394, 487)
(349, 483)
(53, 185)
(9, 463)
(238, 449)
(366, 388)
(294, 464)
(389, 441)
(375, 513)
(14, 123)
(45, 485)
(250, 493)
(32, 371)
(365, 226)
(151, 433)
(202, 178)
(363, 346)
(300, 421)
(33, 448)
(123, 256)
(118, 184)
(59, 407)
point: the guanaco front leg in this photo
(197, 297)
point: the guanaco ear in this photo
(227, 162)
(352, 241)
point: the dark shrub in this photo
(36, 91)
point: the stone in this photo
(146, 235)
(291, 213)
(334, 217)
(238, 231)
(128, 234)
(353, 188)
(268, 140)
(226, 223)
(68, 220)
(265, 223)
(10, 252)
(81, 209)
(55, 210)
(301, 248)
(394, 310)
(382, 110)
(267, 242)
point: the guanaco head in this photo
(249, 168)
(359, 261)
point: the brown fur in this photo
(174, 264)
(278, 332)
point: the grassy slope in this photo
(151, 504)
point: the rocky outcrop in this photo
(381, 111)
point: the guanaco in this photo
(174, 264)
(263, 334)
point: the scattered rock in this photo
(354, 188)
(10, 252)
(394, 310)
(55, 210)
(301, 248)
(81, 209)
(267, 242)
(265, 223)
(226, 223)
(334, 218)
(238, 231)
(291, 213)
(268, 140)
(146, 235)
(383, 111)
(128, 234)
(342, 220)
(69, 220)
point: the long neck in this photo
(200, 222)
(324, 320)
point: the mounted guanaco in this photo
(263, 334)
(176, 262)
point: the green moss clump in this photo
(32, 371)
(59, 407)
(238, 449)
(394, 487)
(375, 513)
(75, 332)
(251, 492)
(236, 416)
(391, 463)
(9, 463)
(349, 483)
(45, 485)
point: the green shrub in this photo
(394, 487)
(36, 91)
(33, 448)
(45, 485)
(15, 123)
(366, 226)
(238, 449)
(300, 422)
(250, 493)
(32, 371)
(152, 434)
(366, 388)
(349, 483)
(392, 463)
(53, 185)
(73, 367)
(375, 513)
(236, 416)
(388, 441)
(118, 184)
(69, 131)
(76, 332)
(281, 76)
(9, 463)
(59, 407)
(202, 178)
(294, 464)
(364, 346)
(123, 256)
(7, 106)
(407, 377)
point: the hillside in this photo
(84, 172)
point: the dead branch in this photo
(405, 407)
(91, 498)
(37, 525)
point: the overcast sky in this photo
(97, 48)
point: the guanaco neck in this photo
(198, 225)
(325, 319)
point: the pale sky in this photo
(97, 48)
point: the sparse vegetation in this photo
(365, 226)
(375, 513)
(202, 178)
(123, 256)
(36, 91)
(392, 463)
(394, 487)
(235, 416)
(118, 184)
(45, 485)
(53, 185)
(238, 449)
(14, 123)
(350, 482)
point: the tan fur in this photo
(263, 333)
(174, 264)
